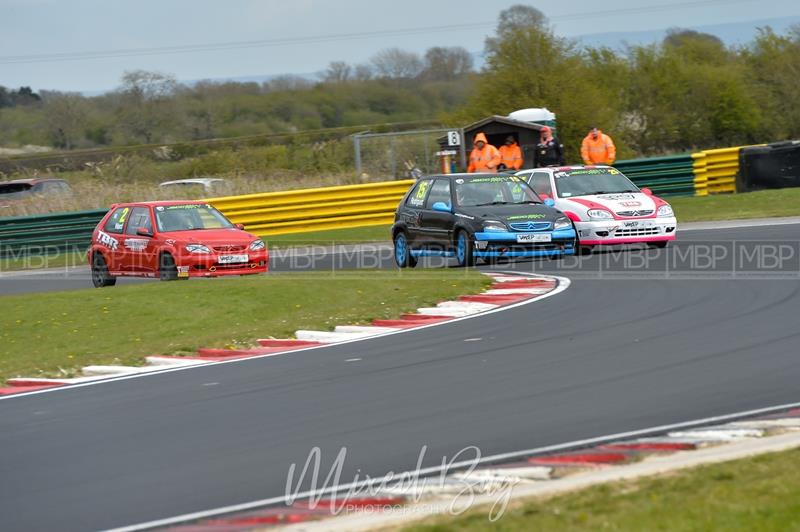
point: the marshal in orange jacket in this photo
(511, 156)
(483, 160)
(599, 149)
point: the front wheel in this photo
(167, 270)
(100, 275)
(465, 249)
(402, 251)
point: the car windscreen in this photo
(189, 217)
(15, 190)
(589, 181)
(493, 190)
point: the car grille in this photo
(637, 231)
(530, 226)
(633, 214)
(229, 249)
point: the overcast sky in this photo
(46, 28)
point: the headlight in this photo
(665, 210)
(493, 225)
(562, 223)
(600, 214)
(257, 245)
(197, 248)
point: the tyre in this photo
(100, 275)
(167, 270)
(465, 249)
(583, 250)
(658, 245)
(402, 251)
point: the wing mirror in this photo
(647, 191)
(442, 207)
(549, 202)
(143, 231)
(240, 227)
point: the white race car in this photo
(605, 206)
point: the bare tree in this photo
(146, 104)
(395, 63)
(363, 72)
(337, 72)
(447, 64)
(66, 117)
(517, 18)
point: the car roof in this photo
(462, 175)
(193, 181)
(165, 203)
(30, 181)
(565, 168)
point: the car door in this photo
(110, 235)
(438, 225)
(411, 213)
(139, 251)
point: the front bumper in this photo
(612, 232)
(496, 244)
(210, 265)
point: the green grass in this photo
(759, 493)
(352, 235)
(56, 333)
(761, 204)
(35, 262)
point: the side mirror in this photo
(442, 207)
(549, 202)
(647, 191)
(143, 231)
(240, 227)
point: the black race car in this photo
(485, 216)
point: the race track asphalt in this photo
(627, 346)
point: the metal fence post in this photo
(357, 147)
(463, 151)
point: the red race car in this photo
(172, 240)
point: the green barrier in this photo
(665, 176)
(48, 233)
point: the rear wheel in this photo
(658, 245)
(167, 269)
(465, 249)
(100, 275)
(402, 251)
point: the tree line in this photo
(687, 92)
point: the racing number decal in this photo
(123, 215)
(423, 187)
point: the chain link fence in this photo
(408, 154)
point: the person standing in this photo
(510, 154)
(598, 148)
(484, 157)
(549, 150)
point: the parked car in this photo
(172, 240)
(605, 206)
(21, 189)
(486, 216)
(198, 186)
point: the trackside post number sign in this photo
(453, 138)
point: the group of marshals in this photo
(596, 148)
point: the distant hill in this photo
(731, 34)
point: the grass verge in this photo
(56, 333)
(352, 235)
(757, 493)
(760, 204)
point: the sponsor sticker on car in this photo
(232, 259)
(534, 237)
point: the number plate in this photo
(232, 259)
(528, 237)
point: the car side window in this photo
(540, 183)
(417, 197)
(117, 220)
(139, 217)
(440, 191)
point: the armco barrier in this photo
(715, 170)
(665, 176)
(316, 209)
(48, 233)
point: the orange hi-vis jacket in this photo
(511, 156)
(598, 151)
(483, 160)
